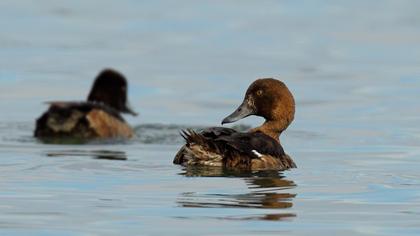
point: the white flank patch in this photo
(257, 153)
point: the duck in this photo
(257, 149)
(99, 117)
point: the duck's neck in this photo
(272, 128)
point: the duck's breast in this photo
(107, 126)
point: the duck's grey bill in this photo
(129, 110)
(243, 111)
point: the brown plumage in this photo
(258, 149)
(98, 117)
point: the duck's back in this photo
(83, 120)
(228, 148)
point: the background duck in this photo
(98, 117)
(258, 149)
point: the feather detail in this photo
(230, 149)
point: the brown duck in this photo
(98, 117)
(258, 149)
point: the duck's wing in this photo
(83, 106)
(255, 151)
(253, 144)
(226, 147)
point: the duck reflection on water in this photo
(95, 154)
(267, 190)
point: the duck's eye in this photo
(259, 92)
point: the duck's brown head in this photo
(110, 88)
(268, 98)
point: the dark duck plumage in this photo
(98, 117)
(258, 149)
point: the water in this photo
(352, 66)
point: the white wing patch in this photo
(257, 153)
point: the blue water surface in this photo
(353, 67)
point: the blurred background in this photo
(353, 67)
(190, 62)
